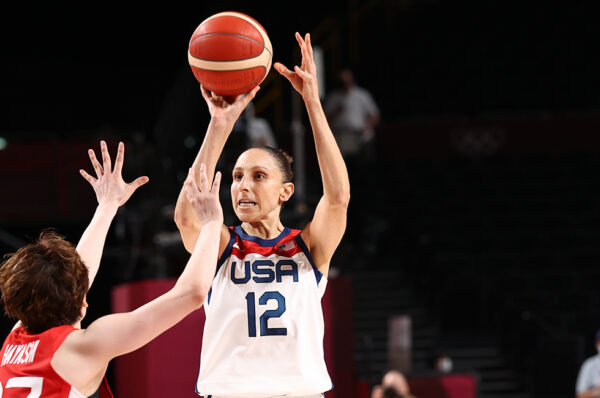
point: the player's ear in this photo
(286, 192)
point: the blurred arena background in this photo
(479, 220)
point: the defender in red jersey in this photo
(44, 286)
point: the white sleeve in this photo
(370, 103)
(583, 378)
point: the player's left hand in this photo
(203, 198)
(304, 77)
(108, 184)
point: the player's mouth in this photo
(246, 204)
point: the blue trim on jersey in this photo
(302, 245)
(227, 251)
(224, 257)
(260, 241)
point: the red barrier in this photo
(444, 386)
(42, 181)
(339, 337)
(168, 366)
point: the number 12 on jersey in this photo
(265, 330)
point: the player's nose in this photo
(244, 184)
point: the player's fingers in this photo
(191, 178)
(303, 74)
(88, 177)
(306, 58)
(205, 92)
(138, 182)
(249, 96)
(299, 39)
(95, 163)
(106, 163)
(216, 184)
(203, 179)
(309, 45)
(191, 188)
(190, 181)
(284, 71)
(120, 158)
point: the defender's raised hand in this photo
(204, 200)
(304, 77)
(108, 184)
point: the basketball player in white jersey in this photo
(44, 286)
(263, 335)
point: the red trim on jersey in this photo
(105, 391)
(286, 246)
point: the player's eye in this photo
(237, 176)
(260, 175)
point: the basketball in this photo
(230, 53)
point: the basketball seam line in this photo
(230, 34)
(246, 18)
(236, 89)
(229, 61)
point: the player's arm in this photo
(118, 334)
(111, 192)
(223, 117)
(325, 231)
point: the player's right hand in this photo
(225, 111)
(204, 199)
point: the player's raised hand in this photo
(203, 198)
(108, 184)
(303, 77)
(227, 109)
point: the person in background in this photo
(257, 130)
(588, 379)
(443, 364)
(354, 115)
(377, 391)
(394, 385)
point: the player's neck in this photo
(264, 229)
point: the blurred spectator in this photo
(377, 392)
(257, 130)
(394, 385)
(588, 379)
(353, 116)
(443, 364)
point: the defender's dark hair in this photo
(44, 283)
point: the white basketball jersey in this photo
(264, 328)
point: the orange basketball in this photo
(230, 53)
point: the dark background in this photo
(482, 205)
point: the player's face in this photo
(257, 191)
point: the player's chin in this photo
(247, 215)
